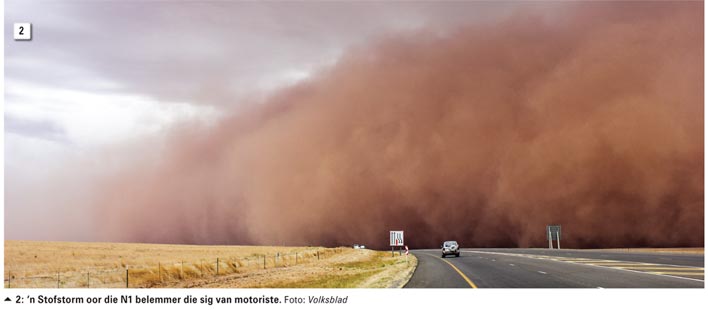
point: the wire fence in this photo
(161, 273)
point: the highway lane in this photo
(695, 260)
(538, 268)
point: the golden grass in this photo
(330, 281)
(377, 270)
(80, 264)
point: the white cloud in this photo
(93, 119)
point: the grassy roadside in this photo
(376, 270)
(103, 265)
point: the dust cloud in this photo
(590, 117)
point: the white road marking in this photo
(494, 260)
(659, 268)
(677, 273)
(541, 272)
(511, 265)
(595, 266)
(600, 287)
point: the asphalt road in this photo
(544, 268)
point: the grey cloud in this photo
(201, 52)
(41, 129)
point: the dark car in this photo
(450, 248)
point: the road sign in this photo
(396, 238)
(553, 232)
(406, 250)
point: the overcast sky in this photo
(100, 74)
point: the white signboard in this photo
(396, 238)
(553, 232)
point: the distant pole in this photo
(318, 255)
(159, 272)
(126, 278)
(181, 271)
(217, 266)
(88, 279)
(9, 279)
(264, 261)
(550, 239)
(57, 279)
(558, 239)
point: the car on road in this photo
(450, 248)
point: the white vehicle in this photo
(450, 248)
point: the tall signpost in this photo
(395, 239)
(553, 232)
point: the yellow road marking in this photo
(458, 271)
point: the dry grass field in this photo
(358, 268)
(79, 264)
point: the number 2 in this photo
(21, 30)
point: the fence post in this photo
(217, 266)
(9, 279)
(126, 278)
(159, 272)
(264, 260)
(181, 271)
(88, 279)
(318, 255)
(57, 279)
